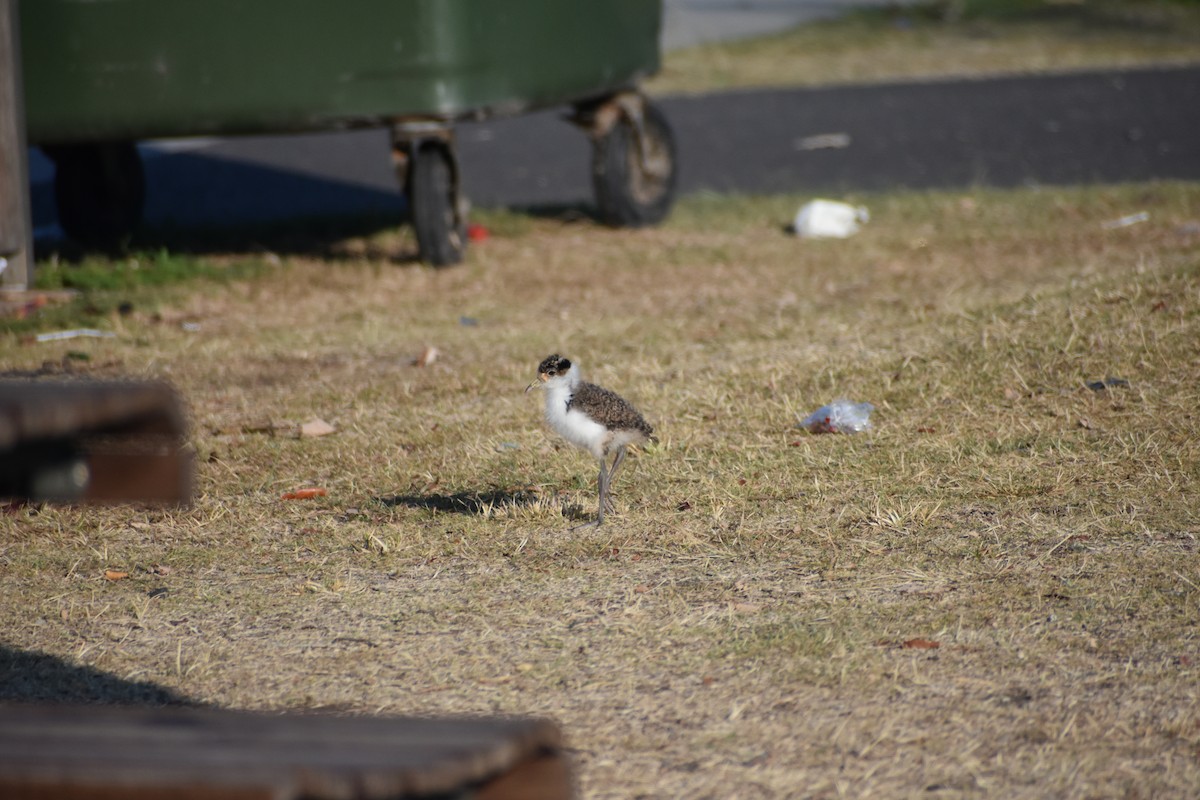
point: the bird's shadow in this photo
(464, 502)
(485, 503)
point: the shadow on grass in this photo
(462, 502)
(375, 236)
(32, 677)
(310, 237)
(560, 212)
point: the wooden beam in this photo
(16, 243)
(106, 753)
(93, 442)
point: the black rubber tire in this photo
(100, 192)
(433, 205)
(632, 192)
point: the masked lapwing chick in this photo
(592, 418)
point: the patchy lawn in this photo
(993, 592)
(945, 39)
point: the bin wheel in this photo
(433, 202)
(634, 176)
(100, 192)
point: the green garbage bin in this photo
(100, 76)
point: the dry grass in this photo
(739, 629)
(938, 40)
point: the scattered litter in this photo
(1100, 386)
(468, 322)
(840, 416)
(428, 356)
(23, 308)
(823, 141)
(829, 219)
(477, 233)
(77, 333)
(3, 264)
(20, 304)
(1125, 222)
(190, 327)
(303, 494)
(316, 427)
(508, 446)
(115, 575)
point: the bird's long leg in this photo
(617, 462)
(618, 459)
(605, 477)
(603, 485)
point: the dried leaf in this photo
(303, 494)
(921, 644)
(316, 427)
(115, 575)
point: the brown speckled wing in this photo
(608, 408)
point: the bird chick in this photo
(592, 418)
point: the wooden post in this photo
(16, 243)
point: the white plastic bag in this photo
(840, 416)
(829, 219)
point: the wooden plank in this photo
(16, 243)
(93, 442)
(43, 409)
(214, 753)
(546, 777)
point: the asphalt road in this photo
(1070, 129)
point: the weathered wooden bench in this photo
(93, 442)
(137, 753)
